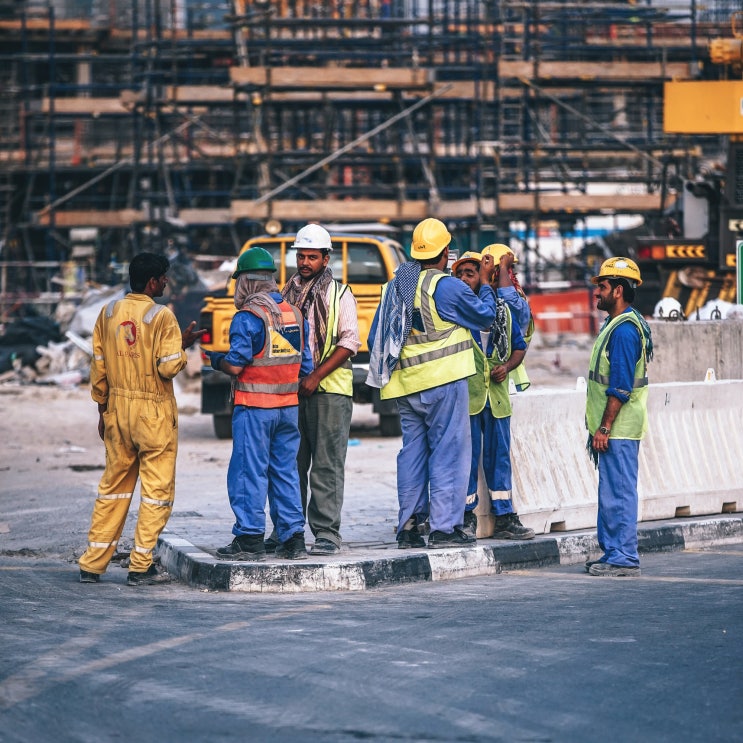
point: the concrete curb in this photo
(357, 569)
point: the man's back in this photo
(136, 347)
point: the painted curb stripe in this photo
(202, 570)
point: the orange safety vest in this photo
(272, 379)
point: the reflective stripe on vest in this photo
(440, 354)
(271, 380)
(340, 380)
(631, 421)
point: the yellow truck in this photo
(364, 262)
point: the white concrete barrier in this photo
(690, 460)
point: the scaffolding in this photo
(164, 123)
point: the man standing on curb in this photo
(616, 414)
(326, 394)
(421, 354)
(267, 356)
(137, 350)
(498, 351)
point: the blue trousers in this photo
(617, 515)
(431, 471)
(264, 465)
(492, 437)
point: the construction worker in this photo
(507, 287)
(421, 355)
(616, 414)
(326, 394)
(498, 351)
(267, 355)
(137, 350)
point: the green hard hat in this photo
(254, 259)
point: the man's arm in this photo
(347, 346)
(611, 411)
(98, 378)
(246, 333)
(457, 303)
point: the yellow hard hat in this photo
(469, 256)
(619, 268)
(430, 237)
(498, 250)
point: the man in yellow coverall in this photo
(137, 350)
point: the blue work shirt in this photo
(248, 336)
(518, 306)
(624, 349)
(456, 303)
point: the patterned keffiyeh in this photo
(251, 292)
(394, 323)
(499, 331)
(312, 296)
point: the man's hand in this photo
(189, 337)
(506, 261)
(308, 386)
(215, 359)
(487, 268)
(499, 373)
(102, 407)
(600, 442)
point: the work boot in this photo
(154, 575)
(608, 570)
(324, 547)
(245, 548)
(508, 526)
(438, 540)
(470, 523)
(87, 577)
(410, 539)
(271, 543)
(293, 549)
(592, 562)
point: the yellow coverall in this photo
(136, 353)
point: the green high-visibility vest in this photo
(339, 381)
(518, 375)
(483, 388)
(439, 354)
(632, 420)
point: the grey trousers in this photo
(324, 425)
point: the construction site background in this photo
(189, 127)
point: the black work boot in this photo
(410, 539)
(293, 549)
(470, 523)
(439, 540)
(246, 548)
(509, 526)
(153, 576)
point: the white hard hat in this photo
(668, 307)
(313, 237)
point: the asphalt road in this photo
(539, 655)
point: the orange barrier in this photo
(569, 311)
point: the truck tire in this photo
(389, 425)
(223, 426)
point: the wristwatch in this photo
(604, 430)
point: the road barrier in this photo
(689, 459)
